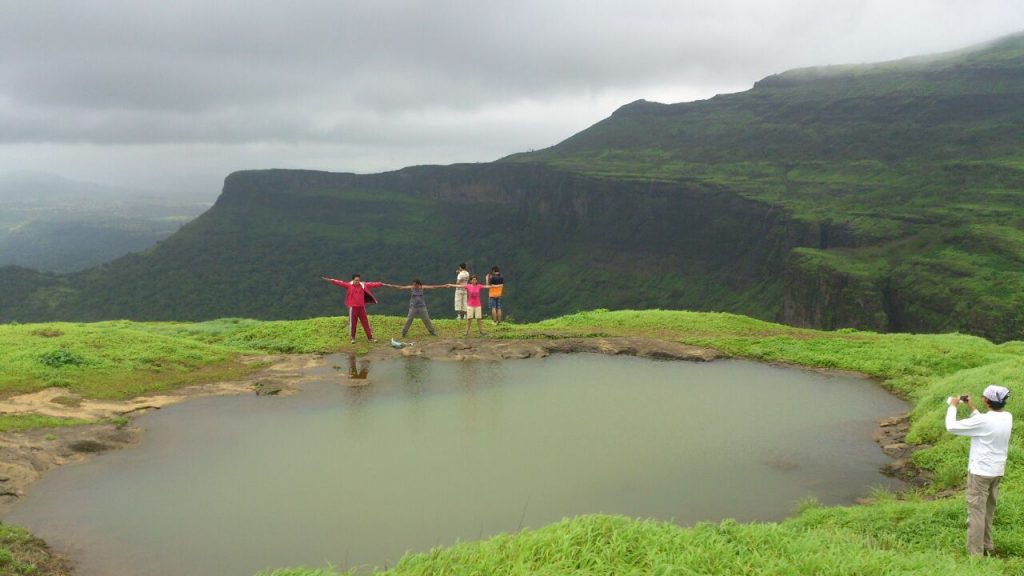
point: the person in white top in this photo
(990, 441)
(461, 278)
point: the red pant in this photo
(360, 313)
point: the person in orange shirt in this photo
(497, 283)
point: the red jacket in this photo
(358, 295)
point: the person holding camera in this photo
(990, 441)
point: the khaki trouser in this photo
(460, 300)
(981, 507)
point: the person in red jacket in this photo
(356, 299)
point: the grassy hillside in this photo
(915, 168)
(915, 535)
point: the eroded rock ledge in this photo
(482, 349)
(26, 456)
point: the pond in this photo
(368, 462)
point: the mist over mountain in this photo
(883, 197)
(46, 188)
(55, 224)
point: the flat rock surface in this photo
(484, 349)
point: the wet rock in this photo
(895, 467)
(904, 470)
(891, 436)
(119, 436)
(88, 446)
(781, 464)
(70, 400)
(267, 388)
(897, 450)
(484, 349)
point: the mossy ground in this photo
(911, 535)
(21, 554)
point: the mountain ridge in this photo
(888, 200)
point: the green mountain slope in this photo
(916, 167)
(885, 197)
(565, 242)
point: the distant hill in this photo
(54, 224)
(886, 197)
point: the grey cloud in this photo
(380, 75)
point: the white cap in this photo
(996, 394)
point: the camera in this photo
(965, 398)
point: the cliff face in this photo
(948, 286)
(818, 294)
(565, 242)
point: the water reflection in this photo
(357, 373)
(416, 372)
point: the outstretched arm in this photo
(435, 286)
(396, 286)
(336, 282)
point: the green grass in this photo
(21, 554)
(113, 360)
(21, 422)
(913, 535)
(599, 544)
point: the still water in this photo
(355, 472)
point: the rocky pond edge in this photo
(25, 457)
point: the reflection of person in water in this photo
(353, 372)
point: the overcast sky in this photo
(176, 95)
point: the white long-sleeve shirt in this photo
(990, 439)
